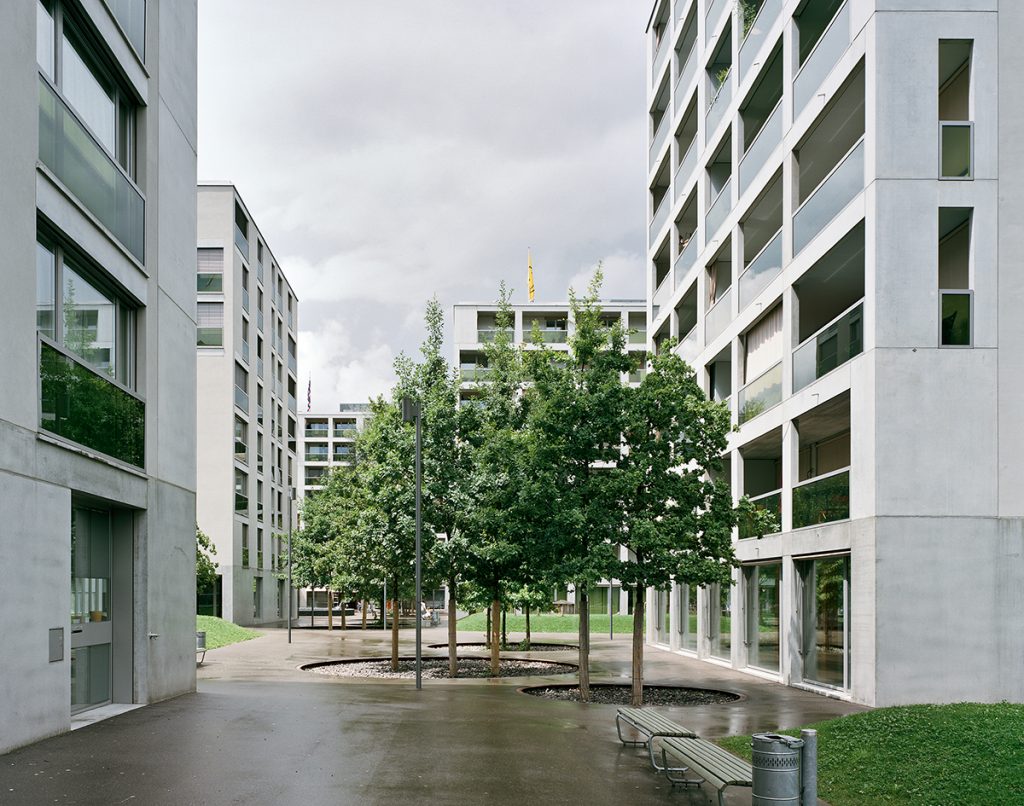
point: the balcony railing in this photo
(245, 351)
(764, 268)
(316, 456)
(823, 58)
(661, 295)
(660, 217)
(714, 14)
(316, 432)
(822, 499)
(241, 241)
(80, 405)
(259, 321)
(474, 373)
(660, 136)
(553, 335)
(660, 57)
(131, 16)
(637, 336)
(88, 172)
(245, 300)
(637, 375)
(764, 145)
(687, 258)
(486, 334)
(241, 503)
(687, 165)
(259, 271)
(686, 74)
(344, 431)
(241, 399)
(831, 347)
(718, 316)
(770, 502)
(761, 393)
(292, 404)
(343, 454)
(293, 364)
(721, 101)
(766, 17)
(830, 198)
(689, 346)
(718, 212)
(259, 368)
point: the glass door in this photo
(91, 549)
(824, 616)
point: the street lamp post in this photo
(291, 498)
(411, 414)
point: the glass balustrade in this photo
(292, 404)
(686, 260)
(660, 217)
(764, 268)
(829, 199)
(662, 295)
(822, 499)
(475, 373)
(660, 57)
(718, 317)
(679, 93)
(719, 210)
(761, 393)
(242, 242)
(758, 33)
(82, 406)
(684, 172)
(764, 145)
(823, 58)
(131, 16)
(293, 364)
(719, 106)
(715, 11)
(831, 347)
(637, 336)
(245, 300)
(485, 334)
(317, 431)
(660, 137)
(245, 351)
(88, 172)
(241, 398)
(689, 346)
(769, 502)
(553, 336)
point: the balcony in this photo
(245, 300)
(661, 296)
(241, 399)
(487, 334)
(259, 320)
(764, 145)
(660, 217)
(758, 33)
(689, 346)
(241, 241)
(719, 104)
(822, 499)
(553, 335)
(770, 502)
(293, 364)
(686, 74)
(347, 431)
(719, 211)
(829, 348)
(830, 47)
(291, 319)
(686, 260)
(660, 57)
(684, 172)
(637, 375)
(245, 351)
(764, 268)
(658, 143)
(343, 453)
(718, 317)
(715, 11)
(80, 405)
(259, 271)
(473, 374)
(88, 172)
(293, 406)
(761, 393)
(637, 336)
(829, 199)
(259, 367)
(316, 456)
(316, 431)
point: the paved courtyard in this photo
(261, 731)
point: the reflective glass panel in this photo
(90, 97)
(90, 320)
(46, 267)
(826, 630)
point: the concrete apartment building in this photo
(835, 190)
(474, 325)
(328, 441)
(97, 454)
(247, 315)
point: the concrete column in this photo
(790, 470)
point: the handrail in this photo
(822, 329)
(829, 175)
(768, 244)
(828, 475)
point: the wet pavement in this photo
(259, 730)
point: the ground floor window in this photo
(686, 617)
(663, 614)
(720, 599)
(824, 617)
(762, 586)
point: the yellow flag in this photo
(529, 274)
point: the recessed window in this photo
(956, 299)
(210, 324)
(956, 128)
(210, 271)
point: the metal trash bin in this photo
(776, 766)
(200, 641)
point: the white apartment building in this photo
(834, 196)
(247, 314)
(97, 454)
(328, 441)
(475, 324)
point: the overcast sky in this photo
(391, 150)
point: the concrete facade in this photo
(247, 383)
(833, 195)
(106, 220)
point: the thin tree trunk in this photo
(394, 629)
(312, 605)
(495, 639)
(504, 626)
(583, 608)
(639, 605)
(365, 608)
(527, 626)
(344, 607)
(330, 609)
(453, 634)
(487, 639)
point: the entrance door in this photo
(91, 561)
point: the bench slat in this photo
(714, 764)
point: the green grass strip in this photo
(918, 755)
(222, 633)
(550, 622)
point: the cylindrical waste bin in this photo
(776, 763)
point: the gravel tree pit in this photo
(515, 647)
(436, 668)
(611, 694)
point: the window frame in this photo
(969, 293)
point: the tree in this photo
(206, 568)
(576, 423)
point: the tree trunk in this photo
(495, 639)
(639, 605)
(394, 630)
(365, 608)
(344, 607)
(330, 609)
(527, 626)
(583, 608)
(453, 635)
(487, 638)
(504, 626)
(312, 605)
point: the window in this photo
(259, 548)
(94, 323)
(241, 492)
(955, 296)
(210, 271)
(763, 597)
(824, 619)
(242, 231)
(241, 387)
(259, 450)
(245, 546)
(956, 129)
(241, 440)
(259, 500)
(210, 324)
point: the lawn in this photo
(919, 755)
(549, 622)
(221, 633)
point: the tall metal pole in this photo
(419, 568)
(291, 493)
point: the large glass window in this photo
(824, 616)
(241, 440)
(686, 622)
(762, 588)
(720, 600)
(241, 492)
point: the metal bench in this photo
(718, 767)
(650, 724)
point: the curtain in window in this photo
(763, 345)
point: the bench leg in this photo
(631, 742)
(678, 780)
